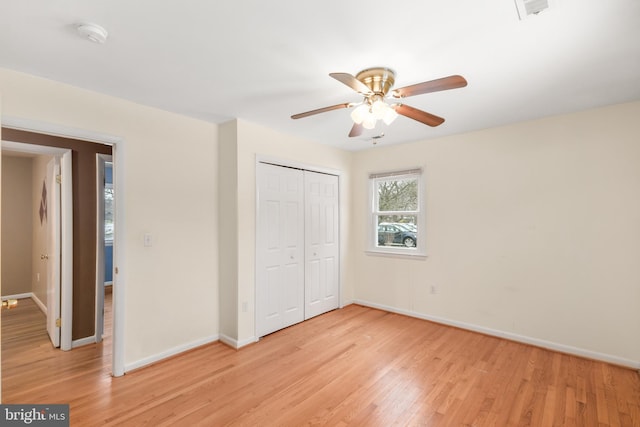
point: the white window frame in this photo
(419, 251)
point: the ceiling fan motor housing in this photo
(379, 80)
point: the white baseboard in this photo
(39, 303)
(25, 295)
(17, 296)
(237, 344)
(343, 304)
(83, 341)
(589, 354)
(168, 353)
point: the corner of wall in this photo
(228, 228)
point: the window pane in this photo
(108, 214)
(397, 230)
(397, 194)
(108, 202)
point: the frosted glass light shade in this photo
(369, 121)
(389, 115)
(359, 113)
(367, 115)
(379, 109)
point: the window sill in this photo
(396, 254)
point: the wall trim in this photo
(278, 161)
(170, 352)
(39, 303)
(18, 296)
(237, 344)
(43, 308)
(83, 341)
(346, 303)
(54, 129)
(550, 345)
(25, 295)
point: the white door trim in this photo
(101, 160)
(66, 242)
(118, 152)
(297, 165)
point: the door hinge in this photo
(58, 323)
(59, 179)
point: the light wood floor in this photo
(355, 366)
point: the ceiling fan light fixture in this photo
(374, 85)
(379, 109)
(369, 122)
(360, 113)
(389, 115)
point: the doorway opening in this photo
(105, 202)
(81, 338)
(37, 262)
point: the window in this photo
(108, 203)
(397, 215)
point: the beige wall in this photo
(532, 230)
(167, 170)
(228, 230)
(16, 222)
(254, 141)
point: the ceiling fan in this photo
(375, 85)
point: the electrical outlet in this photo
(434, 290)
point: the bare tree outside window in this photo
(396, 209)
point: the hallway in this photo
(31, 367)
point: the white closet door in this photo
(280, 247)
(321, 243)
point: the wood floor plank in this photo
(351, 367)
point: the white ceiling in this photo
(263, 61)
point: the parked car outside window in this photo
(395, 234)
(406, 226)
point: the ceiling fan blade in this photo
(352, 82)
(356, 130)
(419, 115)
(322, 110)
(445, 83)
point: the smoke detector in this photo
(530, 7)
(93, 32)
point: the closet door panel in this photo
(321, 243)
(280, 248)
